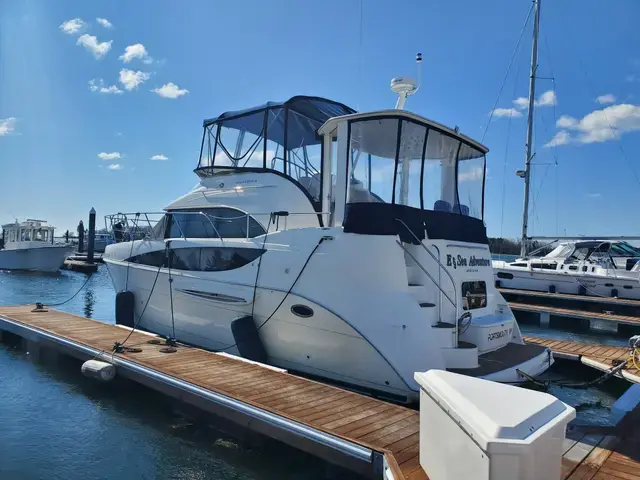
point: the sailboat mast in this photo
(532, 95)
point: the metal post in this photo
(80, 237)
(532, 94)
(92, 235)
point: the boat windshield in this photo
(406, 162)
(279, 137)
(623, 249)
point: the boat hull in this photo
(627, 286)
(43, 259)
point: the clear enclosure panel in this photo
(240, 143)
(407, 187)
(439, 178)
(471, 165)
(275, 139)
(371, 163)
(304, 152)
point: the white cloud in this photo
(159, 157)
(7, 126)
(473, 174)
(131, 79)
(606, 124)
(136, 51)
(98, 86)
(99, 49)
(560, 138)
(547, 99)
(521, 103)
(605, 99)
(170, 90)
(506, 112)
(115, 166)
(565, 121)
(71, 27)
(109, 156)
(104, 22)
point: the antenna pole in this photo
(532, 95)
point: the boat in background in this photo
(30, 246)
(595, 267)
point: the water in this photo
(54, 423)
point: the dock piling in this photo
(92, 235)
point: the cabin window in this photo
(439, 178)
(474, 295)
(470, 182)
(371, 162)
(505, 275)
(544, 266)
(221, 222)
(204, 259)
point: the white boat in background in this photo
(333, 244)
(29, 246)
(595, 267)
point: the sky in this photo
(102, 101)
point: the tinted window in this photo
(474, 295)
(154, 259)
(214, 223)
(205, 259)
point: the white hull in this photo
(626, 283)
(367, 330)
(41, 259)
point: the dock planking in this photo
(389, 429)
(375, 424)
(572, 313)
(601, 357)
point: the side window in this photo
(156, 259)
(205, 259)
(220, 259)
(213, 223)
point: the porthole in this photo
(505, 275)
(302, 311)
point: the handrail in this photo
(437, 260)
(127, 227)
(428, 274)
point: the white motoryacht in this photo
(29, 246)
(341, 245)
(594, 267)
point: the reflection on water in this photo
(89, 301)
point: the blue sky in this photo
(138, 83)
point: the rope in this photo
(633, 359)
(68, 299)
(513, 55)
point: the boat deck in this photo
(315, 411)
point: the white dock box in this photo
(479, 430)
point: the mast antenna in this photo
(527, 165)
(405, 86)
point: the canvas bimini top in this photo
(254, 136)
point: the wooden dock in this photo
(81, 266)
(339, 422)
(600, 357)
(573, 310)
(369, 436)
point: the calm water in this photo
(54, 423)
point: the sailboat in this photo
(594, 266)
